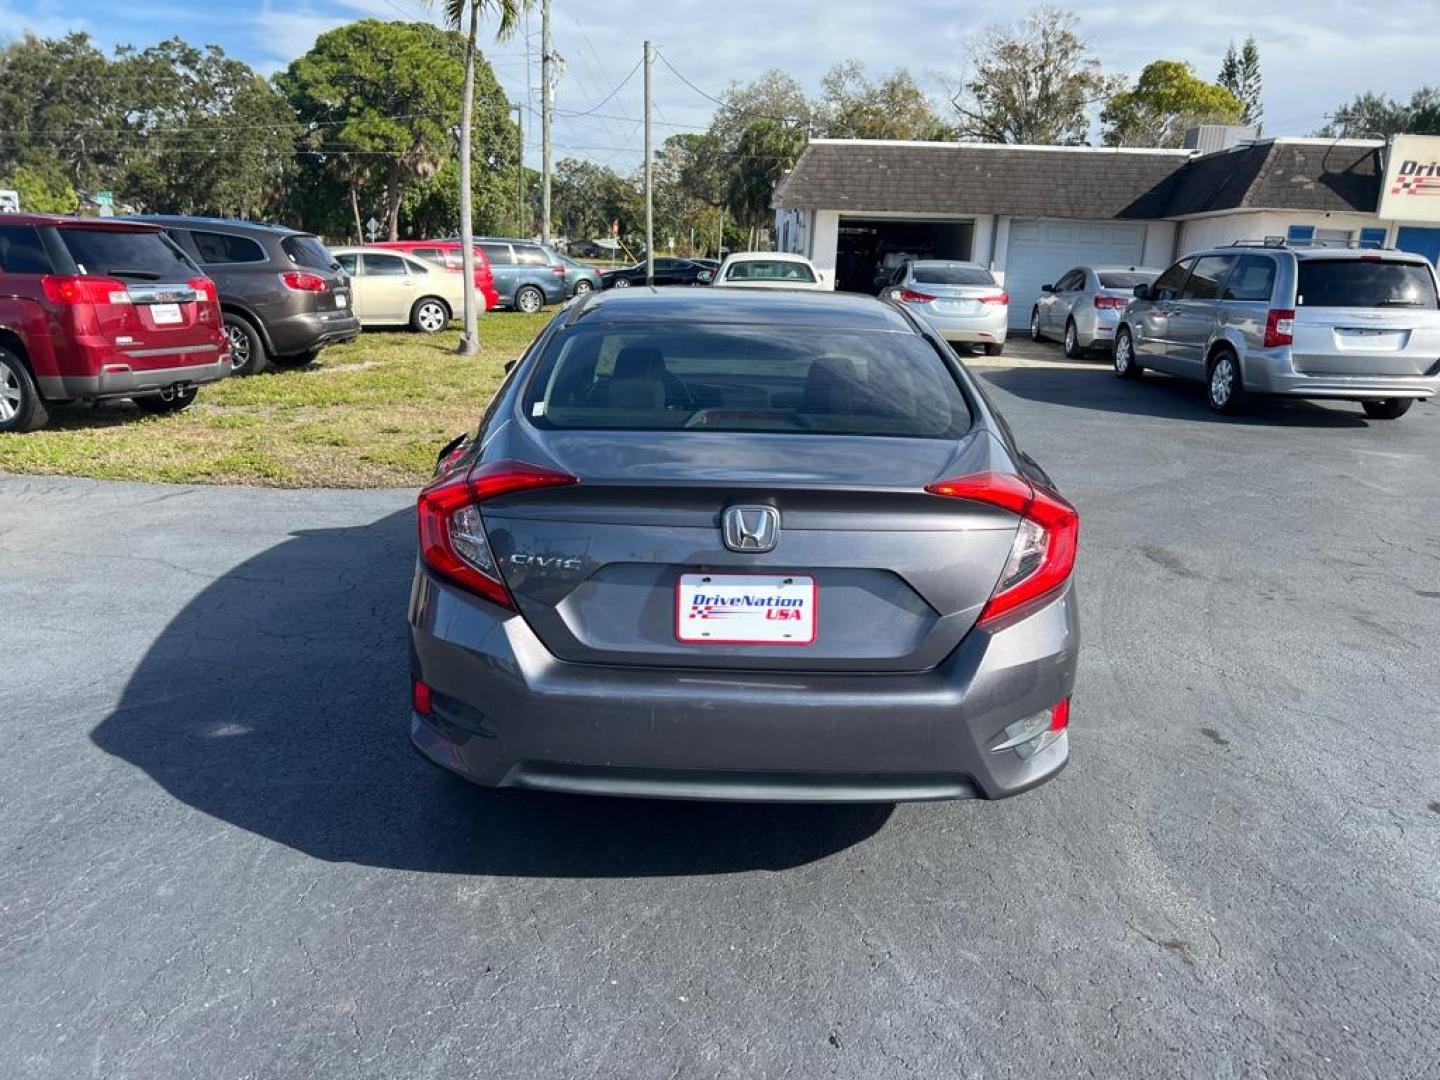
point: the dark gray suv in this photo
(283, 295)
(1341, 323)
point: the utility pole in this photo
(547, 106)
(520, 170)
(649, 182)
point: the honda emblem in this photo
(750, 528)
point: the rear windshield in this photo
(952, 275)
(769, 270)
(308, 252)
(759, 378)
(130, 256)
(1125, 279)
(1364, 283)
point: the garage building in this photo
(857, 207)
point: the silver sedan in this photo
(1084, 305)
(961, 300)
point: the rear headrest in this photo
(639, 362)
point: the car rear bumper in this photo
(1096, 327)
(306, 330)
(117, 379)
(507, 713)
(1275, 373)
(990, 326)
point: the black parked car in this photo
(283, 295)
(667, 272)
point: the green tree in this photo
(1375, 116)
(853, 107)
(1031, 83)
(467, 13)
(1240, 74)
(375, 101)
(1166, 99)
(585, 197)
(210, 136)
(767, 148)
(41, 192)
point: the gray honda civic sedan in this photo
(733, 544)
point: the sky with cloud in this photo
(1315, 54)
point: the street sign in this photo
(9, 202)
(372, 228)
(104, 198)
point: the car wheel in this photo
(1224, 388)
(247, 351)
(297, 360)
(430, 316)
(529, 300)
(1387, 408)
(1072, 341)
(622, 283)
(1126, 366)
(159, 406)
(1035, 334)
(994, 348)
(21, 407)
(582, 287)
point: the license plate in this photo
(341, 299)
(955, 307)
(745, 609)
(165, 314)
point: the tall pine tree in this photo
(1240, 74)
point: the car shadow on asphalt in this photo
(276, 701)
(1161, 396)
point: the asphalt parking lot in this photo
(221, 858)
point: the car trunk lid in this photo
(899, 576)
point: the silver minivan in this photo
(1342, 323)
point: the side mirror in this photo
(1047, 288)
(1142, 292)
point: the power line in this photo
(725, 104)
(594, 109)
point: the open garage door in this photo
(1040, 250)
(869, 247)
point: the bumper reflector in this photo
(421, 699)
(1029, 736)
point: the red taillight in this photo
(910, 296)
(1279, 328)
(1060, 715)
(301, 281)
(453, 542)
(996, 298)
(421, 698)
(559, 271)
(79, 289)
(1102, 301)
(206, 287)
(1042, 555)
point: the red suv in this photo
(93, 309)
(447, 253)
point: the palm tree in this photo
(509, 12)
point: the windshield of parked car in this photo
(769, 270)
(308, 252)
(130, 256)
(754, 378)
(1365, 283)
(1125, 279)
(950, 274)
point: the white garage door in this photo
(1040, 250)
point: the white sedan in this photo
(392, 288)
(768, 270)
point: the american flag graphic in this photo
(1416, 185)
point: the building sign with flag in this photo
(1411, 188)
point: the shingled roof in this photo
(1083, 182)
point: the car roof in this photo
(200, 221)
(949, 262)
(360, 249)
(767, 256)
(1120, 268)
(1308, 253)
(835, 310)
(63, 221)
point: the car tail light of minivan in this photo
(79, 289)
(1042, 554)
(1279, 328)
(453, 542)
(301, 281)
(1102, 301)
